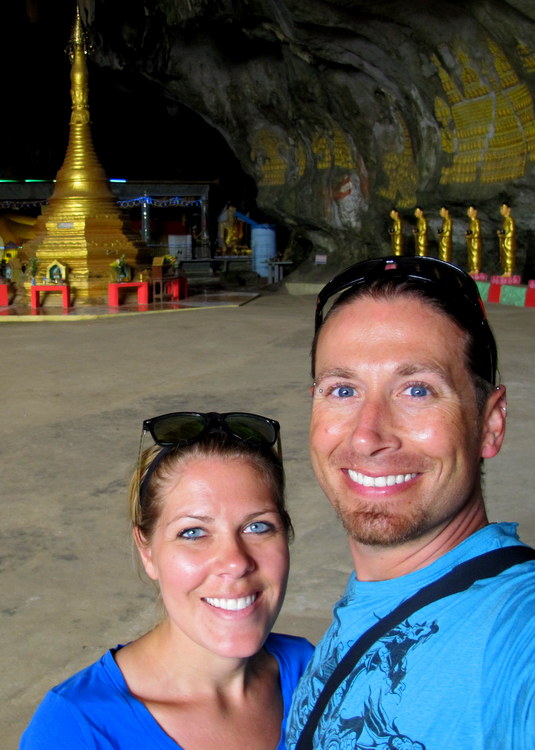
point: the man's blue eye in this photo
(344, 391)
(194, 533)
(418, 391)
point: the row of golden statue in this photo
(474, 240)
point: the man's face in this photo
(396, 437)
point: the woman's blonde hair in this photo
(157, 466)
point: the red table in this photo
(4, 299)
(142, 291)
(36, 290)
(174, 286)
(178, 286)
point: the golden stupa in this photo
(81, 226)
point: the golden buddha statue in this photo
(474, 241)
(445, 244)
(396, 232)
(507, 238)
(420, 232)
(230, 231)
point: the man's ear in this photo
(494, 418)
(145, 553)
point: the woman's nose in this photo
(233, 558)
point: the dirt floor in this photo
(74, 395)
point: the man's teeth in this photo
(232, 604)
(387, 481)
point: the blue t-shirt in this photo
(94, 709)
(458, 674)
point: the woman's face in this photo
(220, 554)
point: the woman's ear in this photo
(494, 418)
(145, 553)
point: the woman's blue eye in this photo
(343, 391)
(418, 391)
(194, 533)
(258, 527)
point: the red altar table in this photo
(142, 291)
(4, 298)
(174, 286)
(36, 290)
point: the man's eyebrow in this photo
(335, 372)
(416, 368)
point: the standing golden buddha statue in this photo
(445, 239)
(474, 241)
(507, 238)
(420, 232)
(396, 232)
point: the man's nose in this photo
(374, 426)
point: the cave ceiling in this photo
(320, 116)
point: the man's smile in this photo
(387, 480)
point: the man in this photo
(405, 407)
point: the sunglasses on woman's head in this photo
(183, 428)
(187, 427)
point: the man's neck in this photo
(377, 563)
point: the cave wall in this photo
(340, 110)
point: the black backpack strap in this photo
(458, 579)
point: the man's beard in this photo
(377, 525)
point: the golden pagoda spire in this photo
(81, 174)
(81, 226)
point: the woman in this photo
(210, 526)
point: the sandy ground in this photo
(73, 399)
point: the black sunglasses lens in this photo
(173, 429)
(252, 428)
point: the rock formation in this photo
(340, 110)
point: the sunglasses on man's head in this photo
(427, 271)
(455, 290)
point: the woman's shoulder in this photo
(67, 705)
(92, 679)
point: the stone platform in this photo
(73, 400)
(25, 314)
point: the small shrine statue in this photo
(396, 232)
(507, 237)
(420, 232)
(230, 231)
(445, 245)
(474, 242)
